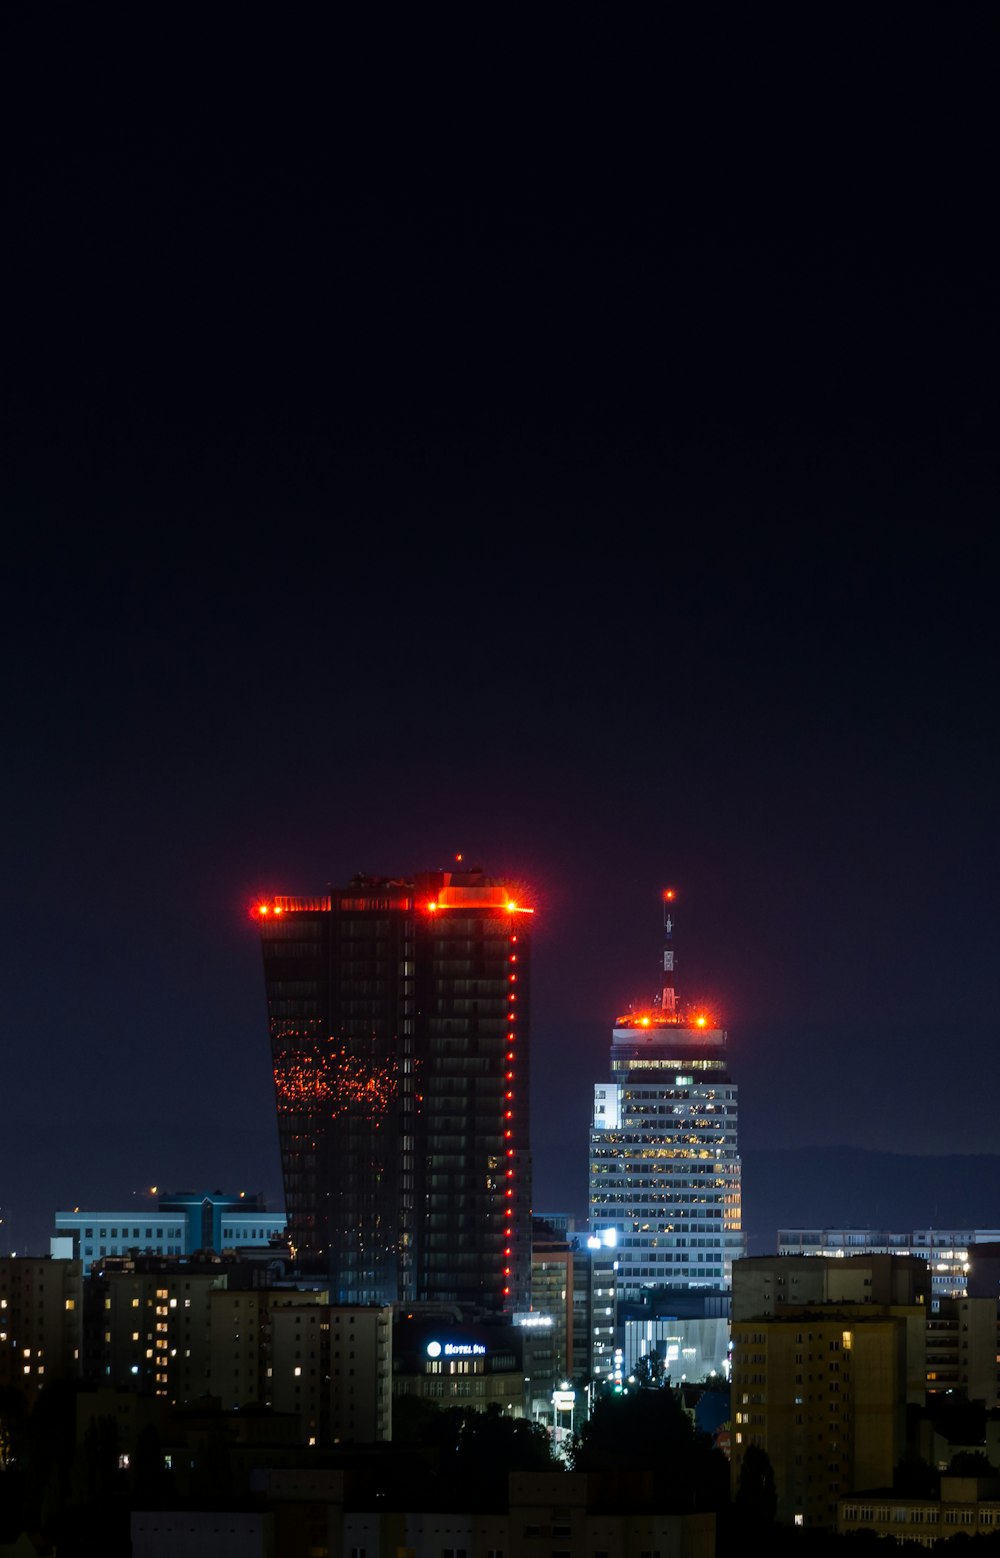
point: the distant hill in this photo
(836, 1187)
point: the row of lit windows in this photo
(613, 1144)
(174, 1231)
(641, 1273)
(90, 1253)
(663, 1063)
(681, 1241)
(903, 1514)
(702, 1094)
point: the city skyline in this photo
(608, 498)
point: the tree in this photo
(648, 1431)
(491, 1438)
(415, 1419)
(475, 1451)
(756, 1496)
(95, 1476)
(650, 1373)
(971, 1463)
(916, 1478)
(13, 1426)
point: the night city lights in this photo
(500, 773)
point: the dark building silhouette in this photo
(398, 1012)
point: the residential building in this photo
(550, 1318)
(962, 1349)
(827, 1355)
(398, 1011)
(241, 1338)
(333, 1366)
(41, 1322)
(596, 1354)
(823, 1392)
(148, 1326)
(959, 1350)
(947, 1251)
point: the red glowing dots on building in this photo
(390, 1186)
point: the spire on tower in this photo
(668, 1000)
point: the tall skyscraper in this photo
(664, 1161)
(398, 1011)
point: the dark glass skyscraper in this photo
(398, 1011)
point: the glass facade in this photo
(398, 1018)
(664, 1160)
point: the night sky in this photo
(579, 453)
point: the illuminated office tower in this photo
(398, 1012)
(664, 1161)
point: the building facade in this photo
(398, 1013)
(828, 1361)
(596, 1354)
(333, 1367)
(949, 1252)
(664, 1159)
(440, 1357)
(41, 1321)
(968, 1506)
(181, 1223)
(823, 1392)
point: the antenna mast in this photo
(668, 1001)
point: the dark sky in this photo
(577, 451)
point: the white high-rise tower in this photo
(664, 1158)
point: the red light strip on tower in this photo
(509, 1114)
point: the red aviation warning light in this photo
(668, 997)
(666, 1010)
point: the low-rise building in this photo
(440, 1356)
(968, 1506)
(545, 1512)
(180, 1223)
